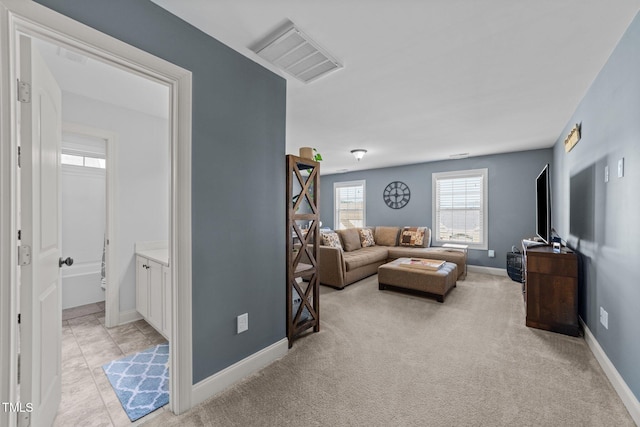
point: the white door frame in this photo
(27, 17)
(112, 293)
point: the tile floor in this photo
(87, 396)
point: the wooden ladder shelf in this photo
(303, 232)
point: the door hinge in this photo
(24, 255)
(24, 92)
(19, 318)
(19, 156)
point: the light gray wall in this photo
(601, 219)
(511, 197)
(238, 177)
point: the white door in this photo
(40, 302)
(142, 286)
(155, 294)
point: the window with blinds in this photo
(349, 204)
(460, 208)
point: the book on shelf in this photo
(424, 264)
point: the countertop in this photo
(158, 255)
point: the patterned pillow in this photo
(331, 239)
(414, 236)
(366, 238)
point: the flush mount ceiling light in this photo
(358, 153)
(294, 52)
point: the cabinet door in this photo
(155, 295)
(166, 297)
(142, 286)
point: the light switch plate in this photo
(604, 318)
(621, 168)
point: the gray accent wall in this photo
(511, 195)
(602, 220)
(238, 177)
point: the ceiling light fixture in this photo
(294, 52)
(358, 153)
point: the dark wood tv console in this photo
(551, 290)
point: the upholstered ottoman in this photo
(435, 283)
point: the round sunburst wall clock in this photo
(396, 195)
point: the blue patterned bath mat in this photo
(141, 381)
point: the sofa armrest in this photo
(332, 266)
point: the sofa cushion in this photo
(350, 239)
(386, 236)
(365, 256)
(417, 237)
(331, 239)
(366, 238)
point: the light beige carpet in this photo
(385, 358)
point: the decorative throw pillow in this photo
(427, 238)
(387, 236)
(366, 238)
(414, 236)
(331, 239)
(350, 239)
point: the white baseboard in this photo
(618, 383)
(216, 383)
(487, 270)
(129, 316)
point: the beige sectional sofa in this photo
(341, 266)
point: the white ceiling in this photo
(423, 80)
(106, 83)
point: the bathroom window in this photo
(80, 160)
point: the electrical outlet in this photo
(243, 322)
(606, 174)
(491, 253)
(604, 318)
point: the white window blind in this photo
(460, 207)
(83, 150)
(349, 203)
(80, 160)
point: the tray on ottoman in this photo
(400, 274)
(423, 264)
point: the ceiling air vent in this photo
(294, 52)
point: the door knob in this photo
(68, 261)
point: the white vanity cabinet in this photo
(153, 289)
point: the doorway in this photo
(32, 19)
(97, 94)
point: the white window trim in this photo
(435, 230)
(337, 185)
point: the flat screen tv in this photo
(543, 205)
